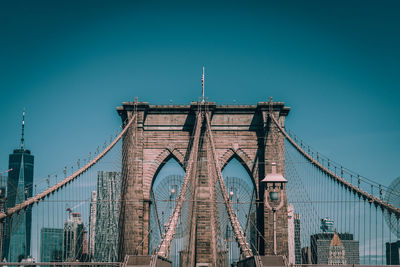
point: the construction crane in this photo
(7, 171)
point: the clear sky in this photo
(70, 63)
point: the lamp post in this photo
(171, 198)
(274, 185)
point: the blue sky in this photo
(70, 63)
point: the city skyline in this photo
(235, 171)
(342, 94)
(67, 66)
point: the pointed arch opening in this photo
(242, 194)
(164, 192)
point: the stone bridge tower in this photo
(241, 131)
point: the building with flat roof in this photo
(393, 253)
(322, 249)
(297, 238)
(51, 240)
(3, 190)
(294, 243)
(92, 224)
(107, 216)
(320, 245)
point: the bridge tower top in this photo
(127, 107)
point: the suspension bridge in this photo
(200, 185)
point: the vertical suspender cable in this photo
(364, 240)
(335, 205)
(345, 208)
(59, 216)
(390, 239)
(383, 236)
(348, 209)
(54, 216)
(321, 181)
(354, 217)
(376, 235)
(359, 219)
(315, 191)
(339, 208)
(340, 204)
(38, 236)
(330, 197)
(370, 237)
(344, 196)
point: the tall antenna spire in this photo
(23, 126)
(202, 87)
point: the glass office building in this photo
(17, 234)
(51, 240)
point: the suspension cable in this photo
(192, 165)
(353, 188)
(40, 196)
(239, 235)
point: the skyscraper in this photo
(73, 236)
(108, 201)
(294, 243)
(291, 243)
(92, 223)
(297, 238)
(3, 182)
(51, 240)
(17, 234)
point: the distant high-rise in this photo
(3, 182)
(108, 203)
(17, 233)
(92, 223)
(51, 240)
(294, 243)
(297, 239)
(73, 236)
(85, 247)
(393, 253)
(291, 243)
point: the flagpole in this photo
(202, 87)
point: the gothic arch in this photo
(242, 157)
(162, 158)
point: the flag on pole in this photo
(202, 86)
